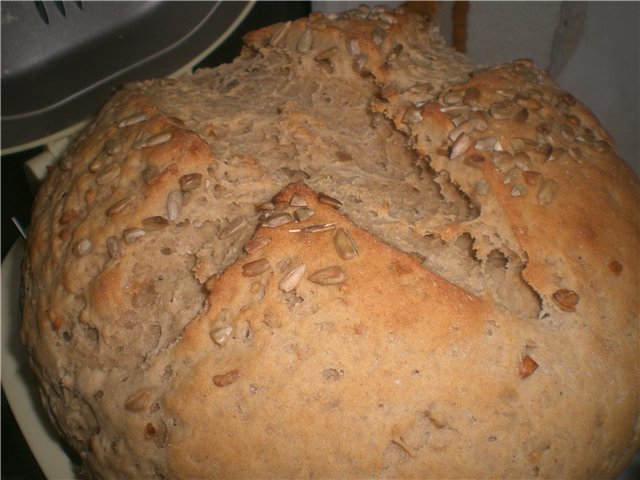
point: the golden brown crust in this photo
(468, 303)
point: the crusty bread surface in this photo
(347, 254)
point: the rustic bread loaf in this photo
(347, 254)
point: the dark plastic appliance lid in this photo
(61, 60)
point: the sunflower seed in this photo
(528, 103)
(518, 190)
(460, 146)
(416, 257)
(455, 110)
(575, 153)
(556, 154)
(517, 144)
(221, 335)
(266, 207)
(503, 109)
(329, 276)
(507, 93)
(119, 207)
(97, 164)
(472, 96)
(328, 200)
(386, 17)
(279, 34)
(158, 434)
(567, 99)
(353, 46)
(412, 116)
(503, 161)
(453, 98)
(112, 147)
(256, 244)
(297, 201)
(521, 115)
(547, 191)
(566, 299)
(523, 161)
(543, 129)
(238, 224)
(67, 216)
(153, 141)
(174, 205)
(82, 247)
(527, 367)
(345, 246)
(277, 220)
(326, 54)
(331, 374)
(567, 132)
(132, 120)
(139, 401)
(113, 247)
(602, 146)
(292, 278)
(485, 143)
(304, 44)
(226, 378)
(109, 174)
(377, 35)
(132, 234)
(65, 163)
(255, 268)
(303, 213)
(157, 222)
(476, 160)
(190, 182)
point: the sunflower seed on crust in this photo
(157, 222)
(277, 220)
(303, 213)
(328, 200)
(174, 205)
(566, 299)
(256, 244)
(292, 278)
(297, 201)
(226, 378)
(132, 120)
(279, 34)
(108, 174)
(333, 275)
(132, 234)
(113, 247)
(460, 146)
(82, 247)
(221, 335)
(190, 182)
(153, 141)
(304, 43)
(344, 244)
(238, 224)
(547, 191)
(255, 268)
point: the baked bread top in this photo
(349, 253)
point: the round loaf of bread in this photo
(347, 254)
